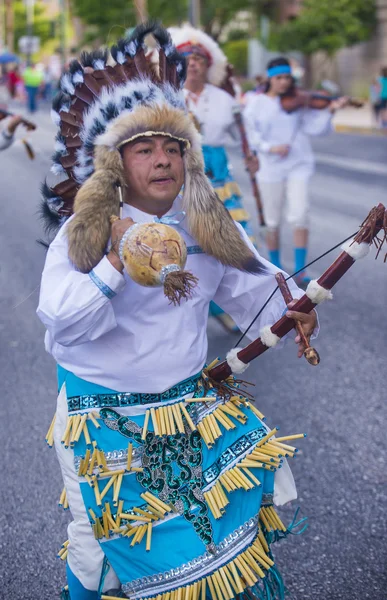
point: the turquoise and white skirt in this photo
(175, 492)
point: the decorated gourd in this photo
(154, 255)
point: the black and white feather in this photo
(96, 59)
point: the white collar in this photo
(140, 216)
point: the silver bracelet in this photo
(124, 238)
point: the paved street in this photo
(341, 471)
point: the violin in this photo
(309, 99)
(4, 114)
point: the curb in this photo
(360, 130)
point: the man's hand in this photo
(252, 164)
(308, 324)
(339, 103)
(283, 150)
(119, 227)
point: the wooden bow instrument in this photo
(368, 232)
(228, 87)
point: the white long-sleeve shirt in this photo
(267, 125)
(109, 330)
(214, 112)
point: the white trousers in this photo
(85, 557)
(293, 195)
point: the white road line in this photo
(353, 164)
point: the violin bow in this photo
(247, 153)
(238, 359)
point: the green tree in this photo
(107, 21)
(328, 25)
(217, 14)
(42, 26)
(236, 52)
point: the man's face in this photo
(197, 68)
(154, 169)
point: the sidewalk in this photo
(357, 120)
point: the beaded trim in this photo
(119, 400)
(115, 458)
(194, 250)
(233, 452)
(105, 289)
(126, 235)
(234, 543)
(151, 134)
(167, 269)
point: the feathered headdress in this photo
(100, 108)
(189, 40)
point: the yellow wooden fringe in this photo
(168, 420)
(50, 433)
(64, 550)
(266, 454)
(76, 426)
(228, 581)
(63, 501)
(107, 524)
(229, 189)
(268, 516)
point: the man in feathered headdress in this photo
(213, 109)
(138, 460)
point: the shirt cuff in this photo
(107, 278)
(264, 147)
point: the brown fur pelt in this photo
(210, 222)
(97, 200)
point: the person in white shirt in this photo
(128, 440)
(286, 159)
(213, 110)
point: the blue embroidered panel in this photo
(118, 399)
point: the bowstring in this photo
(290, 277)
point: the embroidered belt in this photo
(117, 400)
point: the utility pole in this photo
(194, 13)
(30, 27)
(141, 10)
(9, 25)
(62, 32)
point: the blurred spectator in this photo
(383, 96)
(14, 80)
(374, 96)
(47, 85)
(33, 79)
